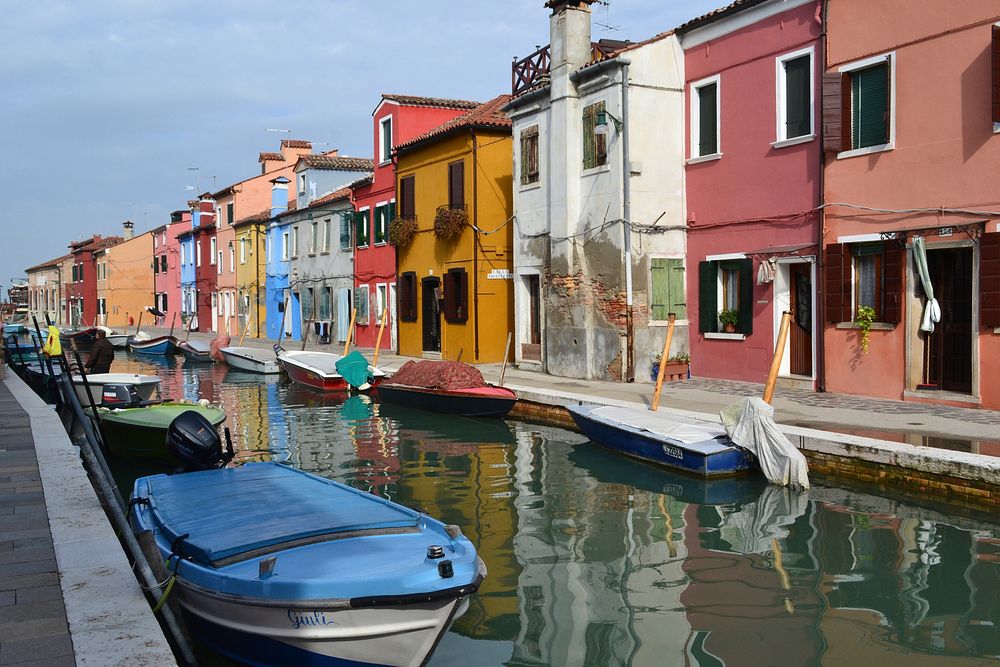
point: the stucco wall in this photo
(129, 285)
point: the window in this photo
(666, 279)
(284, 245)
(456, 184)
(380, 302)
(156, 265)
(326, 235)
(529, 155)
(229, 213)
(232, 257)
(102, 307)
(313, 237)
(858, 114)
(363, 226)
(995, 97)
(456, 296)
(295, 241)
(220, 260)
(361, 304)
(705, 117)
(381, 223)
(795, 95)
(182, 254)
(197, 251)
(325, 298)
(407, 201)
(863, 274)
(385, 139)
(345, 230)
(725, 284)
(595, 146)
(243, 251)
(307, 304)
(302, 184)
(408, 297)
(163, 263)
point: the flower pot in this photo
(729, 328)
(674, 370)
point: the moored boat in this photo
(195, 350)
(146, 386)
(142, 432)
(267, 586)
(160, 345)
(313, 369)
(449, 387)
(697, 447)
(118, 340)
(79, 336)
(253, 359)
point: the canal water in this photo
(598, 560)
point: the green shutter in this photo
(379, 222)
(708, 136)
(870, 106)
(392, 216)
(345, 231)
(797, 77)
(708, 297)
(589, 147)
(659, 291)
(745, 323)
(677, 299)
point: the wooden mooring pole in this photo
(664, 356)
(779, 351)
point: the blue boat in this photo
(79, 336)
(14, 329)
(275, 566)
(161, 346)
(692, 446)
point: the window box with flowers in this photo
(678, 368)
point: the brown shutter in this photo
(463, 296)
(996, 74)
(406, 199)
(456, 184)
(833, 112)
(892, 300)
(989, 279)
(450, 294)
(838, 309)
(408, 297)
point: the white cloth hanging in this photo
(932, 311)
(765, 272)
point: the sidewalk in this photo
(962, 429)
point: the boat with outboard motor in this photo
(141, 432)
(147, 387)
(253, 359)
(268, 586)
(160, 345)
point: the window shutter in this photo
(837, 303)
(589, 145)
(406, 199)
(870, 106)
(745, 325)
(450, 294)
(659, 290)
(797, 75)
(996, 74)
(708, 297)
(892, 298)
(708, 142)
(359, 228)
(456, 185)
(833, 117)
(463, 296)
(989, 279)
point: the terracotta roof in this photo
(414, 101)
(262, 216)
(271, 156)
(336, 195)
(717, 14)
(487, 115)
(336, 162)
(361, 182)
(296, 143)
(51, 262)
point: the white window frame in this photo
(220, 261)
(381, 296)
(314, 237)
(218, 215)
(381, 213)
(367, 299)
(232, 257)
(212, 249)
(183, 256)
(382, 125)
(371, 228)
(781, 106)
(327, 231)
(295, 241)
(197, 252)
(694, 157)
(889, 58)
(243, 250)
(285, 246)
(302, 184)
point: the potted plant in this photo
(676, 368)
(728, 319)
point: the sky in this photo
(112, 109)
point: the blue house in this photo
(281, 307)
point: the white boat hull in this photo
(327, 633)
(147, 386)
(118, 340)
(251, 359)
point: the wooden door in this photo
(430, 314)
(949, 362)
(800, 332)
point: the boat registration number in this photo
(675, 452)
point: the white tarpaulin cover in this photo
(675, 427)
(750, 425)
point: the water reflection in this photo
(597, 560)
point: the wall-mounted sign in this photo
(499, 274)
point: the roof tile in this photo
(337, 162)
(486, 115)
(415, 101)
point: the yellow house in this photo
(125, 280)
(251, 264)
(454, 238)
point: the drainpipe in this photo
(626, 228)
(820, 326)
(475, 242)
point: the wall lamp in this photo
(601, 123)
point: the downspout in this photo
(256, 304)
(475, 241)
(627, 229)
(820, 326)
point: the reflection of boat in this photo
(606, 466)
(237, 376)
(160, 345)
(142, 432)
(297, 394)
(277, 566)
(472, 430)
(318, 370)
(196, 350)
(145, 385)
(253, 359)
(698, 447)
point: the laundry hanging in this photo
(932, 311)
(765, 272)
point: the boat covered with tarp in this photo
(450, 387)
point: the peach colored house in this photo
(125, 282)
(235, 203)
(911, 124)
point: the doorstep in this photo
(938, 397)
(796, 382)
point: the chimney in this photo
(279, 196)
(128, 226)
(569, 33)
(206, 206)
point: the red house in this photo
(81, 284)
(753, 187)
(396, 119)
(206, 263)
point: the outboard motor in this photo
(120, 396)
(195, 444)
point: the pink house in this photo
(912, 149)
(753, 187)
(166, 264)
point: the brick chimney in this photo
(569, 33)
(128, 226)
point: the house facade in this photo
(598, 201)
(251, 241)
(125, 273)
(752, 73)
(45, 292)
(203, 231)
(396, 119)
(81, 288)
(166, 264)
(454, 291)
(911, 246)
(281, 318)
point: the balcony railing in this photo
(533, 69)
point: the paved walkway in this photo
(33, 625)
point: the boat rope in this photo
(166, 594)
(132, 503)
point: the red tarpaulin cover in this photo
(449, 375)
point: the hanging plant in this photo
(863, 319)
(449, 222)
(402, 231)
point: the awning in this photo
(970, 229)
(780, 251)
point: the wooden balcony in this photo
(534, 69)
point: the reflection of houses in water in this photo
(600, 570)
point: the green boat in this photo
(141, 433)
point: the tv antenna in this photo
(607, 25)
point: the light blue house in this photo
(281, 308)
